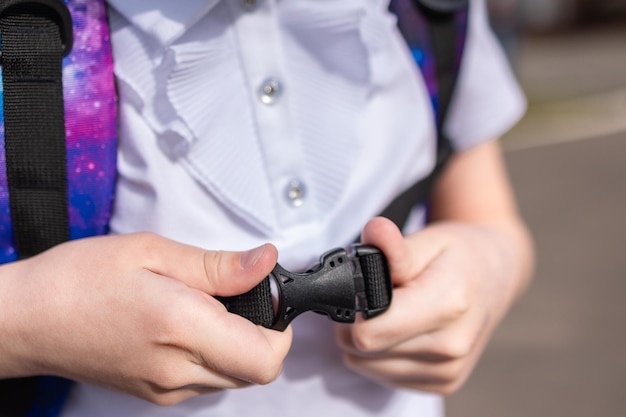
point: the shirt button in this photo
(270, 91)
(295, 192)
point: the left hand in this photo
(453, 283)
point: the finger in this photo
(441, 377)
(237, 348)
(230, 348)
(418, 308)
(177, 371)
(455, 342)
(386, 236)
(407, 257)
(220, 273)
(438, 363)
(167, 398)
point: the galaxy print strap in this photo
(91, 120)
(90, 129)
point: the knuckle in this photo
(145, 240)
(163, 399)
(265, 367)
(456, 306)
(213, 264)
(454, 348)
(366, 341)
(141, 243)
(449, 388)
(452, 373)
(173, 323)
(166, 379)
(444, 381)
(269, 371)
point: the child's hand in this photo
(450, 290)
(136, 313)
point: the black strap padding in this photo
(32, 53)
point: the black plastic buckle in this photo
(339, 285)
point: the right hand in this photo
(135, 313)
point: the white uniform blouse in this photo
(288, 121)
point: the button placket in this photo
(259, 36)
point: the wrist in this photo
(14, 322)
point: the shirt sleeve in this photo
(488, 100)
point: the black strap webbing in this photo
(32, 53)
(255, 305)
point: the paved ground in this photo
(562, 350)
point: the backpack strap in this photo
(435, 31)
(35, 36)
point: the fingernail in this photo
(249, 259)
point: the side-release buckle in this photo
(339, 285)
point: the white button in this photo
(173, 144)
(295, 192)
(270, 91)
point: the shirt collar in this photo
(165, 20)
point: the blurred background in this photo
(562, 349)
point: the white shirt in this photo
(207, 158)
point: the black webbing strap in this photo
(256, 305)
(32, 52)
(444, 34)
(34, 37)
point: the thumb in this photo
(234, 273)
(219, 273)
(407, 256)
(385, 235)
